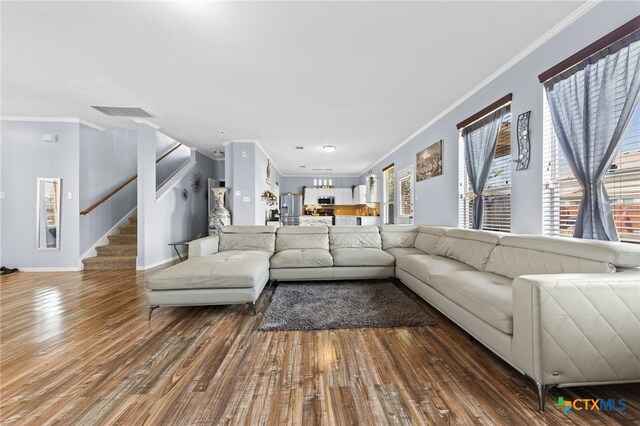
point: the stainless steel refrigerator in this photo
(290, 209)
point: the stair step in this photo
(117, 250)
(133, 220)
(128, 229)
(123, 239)
(109, 262)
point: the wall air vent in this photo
(322, 170)
(123, 111)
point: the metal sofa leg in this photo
(542, 396)
(151, 308)
(255, 308)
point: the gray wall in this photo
(107, 159)
(24, 159)
(295, 183)
(437, 198)
(166, 168)
(169, 218)
(261, 185)
(246, 172)
(242, 177)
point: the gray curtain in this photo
(480, 139)
(591, 105)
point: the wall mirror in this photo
(48, 217)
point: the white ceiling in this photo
(362, 76)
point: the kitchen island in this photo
(309, 220)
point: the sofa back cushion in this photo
(530, 255)
(302, 237)
(398, 236)
(468, 246)
(354, 237)
(624, 255)
(236, 237)
(428, 237)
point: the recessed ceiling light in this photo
(222, 132)
(217, 152)
(329, 148)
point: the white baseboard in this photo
(160, 263)
(58, 269)
(105, 238)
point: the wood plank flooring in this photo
(76, 348)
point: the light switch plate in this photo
(2, 196)
(238, 193)
(68, 195)
(246, 199)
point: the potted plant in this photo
(371, 180)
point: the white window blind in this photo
(405, 196)
(497, 192)
(562, 193)
(389, 195)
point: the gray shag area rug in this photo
(341, 304)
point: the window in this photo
(497, 192)
(389, 194)
(405, 187)
(405, 196)
(562, 193)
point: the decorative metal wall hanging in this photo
(196, 182)
(524, 141)
(184, 194)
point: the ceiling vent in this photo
(299, 147)
(322, 170)
(123, 111)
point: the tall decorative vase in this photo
(219, 216)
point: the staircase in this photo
(120, 253)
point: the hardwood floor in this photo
(76, 348)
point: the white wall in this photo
(437, 198)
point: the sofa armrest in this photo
(577, 328)
(203, 246)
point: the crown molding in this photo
(556, 29)
(55, 120)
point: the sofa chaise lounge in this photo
(564, 312)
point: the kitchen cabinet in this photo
(311, 196)
(360, 195)
(372, 196)
(347, 199)
(346, 220)
(370, 220)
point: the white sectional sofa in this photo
(563, 311)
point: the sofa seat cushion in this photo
(487, 296)
(301, 258)
(361, 257)
(398, 252)
(228, 269)
(422, 266)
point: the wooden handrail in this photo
(127, 182)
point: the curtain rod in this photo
(602, 43)
(484, 111)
